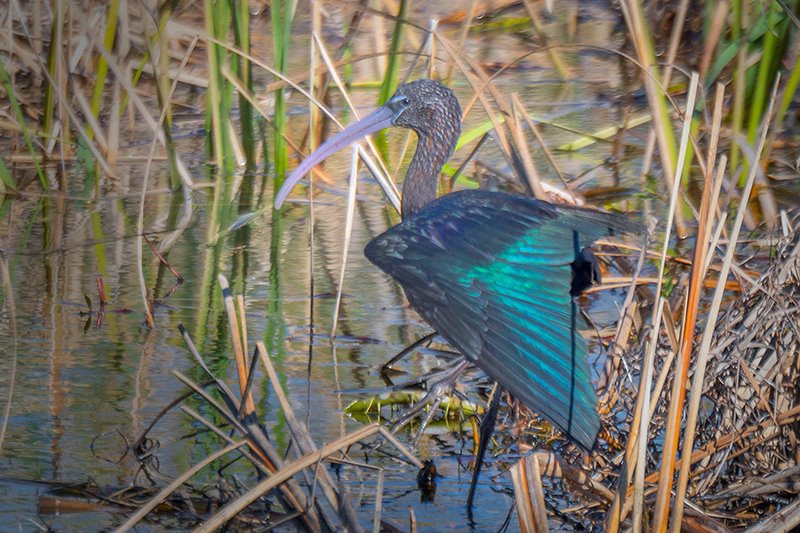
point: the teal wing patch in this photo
(491, 273)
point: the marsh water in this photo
(84, 388)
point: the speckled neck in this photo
(422, 178)
(434, 147)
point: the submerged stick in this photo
(286, 473)
(172, 487)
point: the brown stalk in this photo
(670, 442)
(162, 259)
(266, 453)
(238, 351)
(662, 500)
(698, 273)
(528, 495)
(715, 32)
(376, 520)
(639, 446)
(306, 444)
(721, 443)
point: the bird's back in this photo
(491, 273)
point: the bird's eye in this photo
(406, 101)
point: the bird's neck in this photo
(422, 178)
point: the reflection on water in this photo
(83, 389)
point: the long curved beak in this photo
(379, 119)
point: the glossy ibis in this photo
(493, 273)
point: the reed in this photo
(99, 91)
(282, 14)
(22, 125)
(55, 78)
(392, 73)
(241, 66)
(219, 98)
(6, 180)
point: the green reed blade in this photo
(390, 78)
(242, 68)
(56, 36)
(282, 11)
(23, 125)
(6, 181)
(102, 64)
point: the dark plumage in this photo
(493, 273)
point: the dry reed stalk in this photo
(348, 231)
(306, 444)
(528, 495)
(676, 405)
(238, 350)
(257, 442)
(522, 152)
(665, 472)
(670, 439)
(376, 520)
(702, 250)
(92, 122)
(399, 446)
(636, 450)
(714, 35)
(258, 464)
(640, 36)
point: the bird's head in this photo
(425, 106)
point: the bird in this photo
(494, 273)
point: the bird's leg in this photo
(434, 406)
(436, 391)
(485, 433)
(430, 376)
(407, 350)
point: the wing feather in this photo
(491, 272)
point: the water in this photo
(83, 389)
